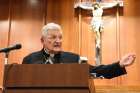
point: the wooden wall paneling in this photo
(70, 39)
(130, 40)
(4, 30)
(136, 39)
(120, 36)
(86, 37)
(110, 46)
(62, 12)
(54, 11)
(26, 24)
(87, 40)
(129, 43)
(110, 42)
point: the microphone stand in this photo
(6, 58)
(5, 63)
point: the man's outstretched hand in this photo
(127, 60)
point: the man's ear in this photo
(42, 40)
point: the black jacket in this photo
(106, 71)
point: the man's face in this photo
(52, 41)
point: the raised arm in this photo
(108, 5)
(103, 5)
(83, 5)
(113, 70)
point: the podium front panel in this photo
(46, 78)
(56, 75)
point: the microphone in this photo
(14, 47)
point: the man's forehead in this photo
(54, 31)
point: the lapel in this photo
(56, 58)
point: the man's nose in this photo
(58, 40)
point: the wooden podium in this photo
(47, 78)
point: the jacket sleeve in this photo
(108, 71)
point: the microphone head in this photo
(7, 49)
(17, 46)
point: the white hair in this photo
(50, 26)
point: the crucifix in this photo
(96, 23)
(97, 27)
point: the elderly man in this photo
(52, 54)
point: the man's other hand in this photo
(127, 60)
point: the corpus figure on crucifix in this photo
(97, 27)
